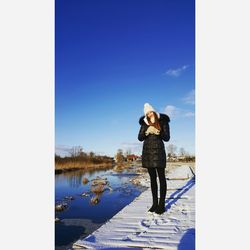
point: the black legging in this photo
(163, 184)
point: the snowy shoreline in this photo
(133, 227)
(143, 177)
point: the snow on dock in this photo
(133, 227)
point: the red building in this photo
(132, 157)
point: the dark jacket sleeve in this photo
(165, 133)
(141, 135)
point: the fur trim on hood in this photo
(161, 116)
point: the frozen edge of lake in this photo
(132, 227)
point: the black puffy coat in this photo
(153, 151)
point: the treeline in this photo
(173, 154)
(87, 158)
(78, 159)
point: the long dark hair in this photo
(156, 124)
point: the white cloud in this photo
(189, 114)
(62, 147)
(190, 97)
(174, 112)
(176, 72)
(62, 150)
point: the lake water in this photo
(81, 218)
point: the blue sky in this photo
(113, 56)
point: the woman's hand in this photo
(152, 130)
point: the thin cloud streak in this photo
(174, 112)
(190, 97)
(176, 72)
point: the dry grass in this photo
(79, 165)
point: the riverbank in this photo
(133, 227)
(172, 165)
(143, 178)
(72, 166)
(84, 208)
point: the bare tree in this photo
(171, 148)
(119, 156)
(75, 151)
(182, 152)
(128, 152)
(91, 154)
(83, 155)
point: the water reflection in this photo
(84, 216)
(74, 181)
(74, 178)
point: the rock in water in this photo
(95, 200)
(85, 180)
(61, 207)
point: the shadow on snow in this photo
(177, 194)
(188, 240)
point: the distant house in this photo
(172, 158)
(132, 157)
(181, 158)
(139, 158)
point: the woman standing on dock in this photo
(154, 130)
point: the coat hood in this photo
(163, 117)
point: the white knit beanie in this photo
(148, 108)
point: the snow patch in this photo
(135, 228)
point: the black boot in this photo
(163, 191)
(161, 207)
(154, 206)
